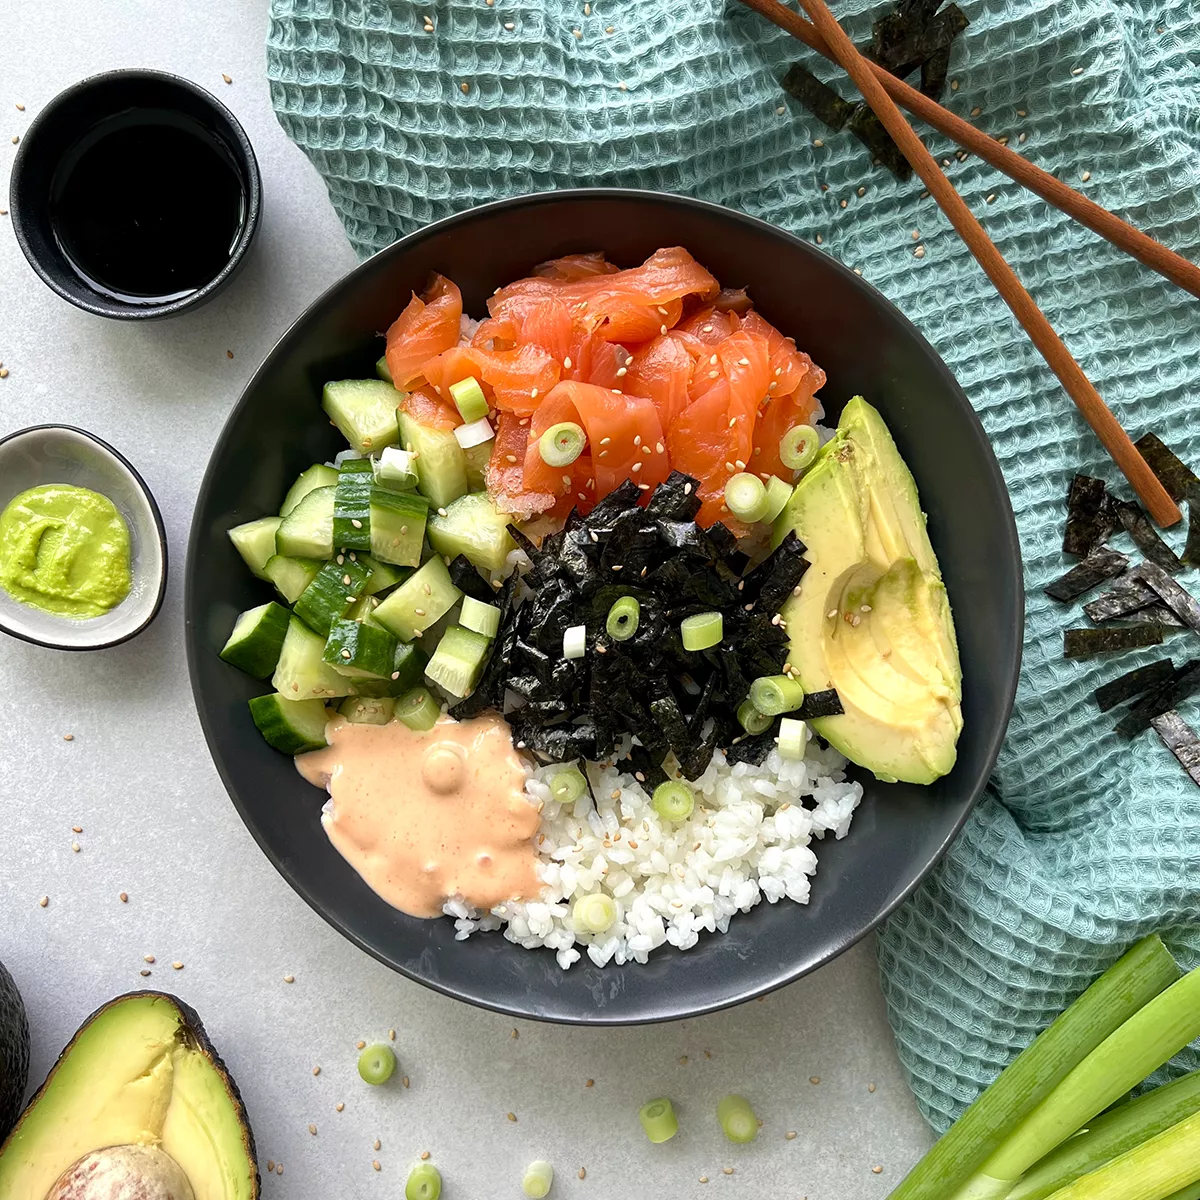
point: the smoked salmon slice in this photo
(428, 325)
(576, 266)
(514, 380)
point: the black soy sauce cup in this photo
(55, 137)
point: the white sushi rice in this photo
(748, 839)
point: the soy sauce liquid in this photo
(147, 207)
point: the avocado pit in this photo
(123, 1173)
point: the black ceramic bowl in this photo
(64, 124)
(865, 345)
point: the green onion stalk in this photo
(1146, 1040)
(1136, 978)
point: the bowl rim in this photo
(116, 310)
(160, 532)
(1009, 554)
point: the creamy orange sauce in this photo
(426, 816)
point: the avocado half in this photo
(14, 1052)
(140, 1080)
(872, 618)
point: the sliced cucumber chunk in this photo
(367, 710)
(351, 505)
(408, 669)
(318, 475)
(458, 660)
(477, 459)
(335, 588)
(383, 575)
(441, 466)
(255, 542)
(418, 710)
(307, 531)
(292, 726)
(473, 526)
(382, 369)
(395, 469)
(257, 639)
(360, 649)
(363, 607)
(302, 674)
(291, 575)
(424, 597)
(397, 526)
(364, 410)
(479, 617)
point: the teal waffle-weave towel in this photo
(412, 111)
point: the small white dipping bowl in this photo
(62, 454)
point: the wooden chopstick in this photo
(1087, 212)
(1116, 441)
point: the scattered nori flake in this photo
(642, 762)
(933, 73)
(905, 40)
(1179, 737)
(468, 580)
(1154, 614)
(774, 579)
(1191, 552)
(675, 499)
(1137, 525)
(1131, 595)
(1178, 478)
(1178, 599)
(1088, 520)
(556, 743)
(869, 130)
(820, 704)
(1083, 643)
(754, 748)
(819, 98)
(1133, 683)
(1183, 683)
(1100, 565)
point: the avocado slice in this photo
(872, 618)
(14, 1052)
(139, 1073)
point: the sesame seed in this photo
(622, 86)
(404, 1081)
(919, 252)
(313, 1130)
(68, 737)
(512, 1117)
(75, 847)
(1086, 176)
(976, 111)
(123, 897)
(377, 1144)
(818, 143)
(424, 1155)
(375, 1165)
(605, 440)
(703, 1178)
(144, 972)
(270, 1166)
(583, 1172)
(870, 1087)
(420, 612)
(360, 1045)
(843, 203)
(533, 395)
(346, 654)
(990, 198)
(790, 1135)
(346, 580)
(862, 191)
(177, 966)
(577, 34)
(316, 1070)
(279, 1168)
(727, 1170)
(512, 458)
(441, 512)
(289, 979)
(43, 901)
(1076, 71)
(820, 240)
(76, 828)
(622, 371)
(876, 1170)
(954, 85)
(1021, 138)
(780, 111)
(509, 25)
(814, 1079)
(610, 29)
(637, 466)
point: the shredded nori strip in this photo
(820, 704)
(1100, 565)
(819, 98)
(1180, 738)
(1177, 598)
(1131, 595)
(1154, 614)
(468, 580)
(869, 130)
(1178, 478)
(754, 748)
(1088, 517)
(649, 688)
(1137, 525)
(1133, 683)
(1191, 552)
(1084, 643)
(1183, 683)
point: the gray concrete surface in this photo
(158, 825)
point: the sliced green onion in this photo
(479, 617)
(1142, 973)
(746, 497)
(1158, 1030)
(775, 694)
(575, 641)
(469, 399)
(596, 913)
(658, 1120)
(424, 1183)
(538, 1180)
(418, 709)
(623, 618)
(561, 444)
(703, 631)
(737, 1119)
(376, 1064)
(792, 739)
(751, 720)
(474, 433)
(567, 786)
(673, 800)
(798, 447)
(395, 469)
(1155, 1170)
(1110, 1135)
(778, 494)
